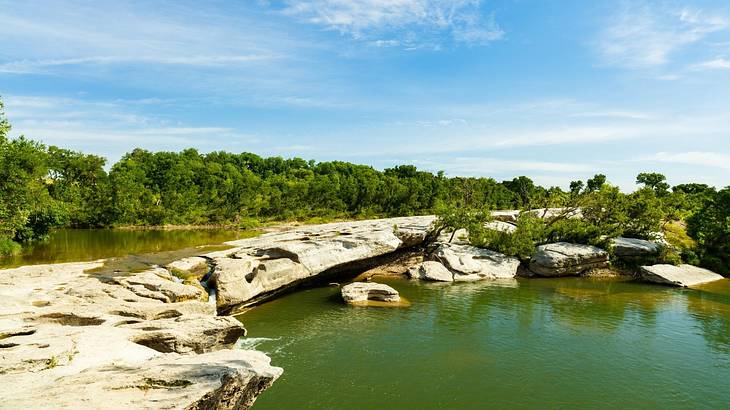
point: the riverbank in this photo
(64, 325)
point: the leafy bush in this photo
(520, 243)
(8, 247)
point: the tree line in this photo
(45, 187)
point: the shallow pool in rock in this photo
(529, 344)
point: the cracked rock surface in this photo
(71, 339)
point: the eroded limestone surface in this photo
(70, 339)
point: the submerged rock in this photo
(564, 259)
(631, 247)
(363, 291)
(431, 270)
(682, 275)
(469, 263)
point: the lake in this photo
(531, 344)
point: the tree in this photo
(710, 227)
(655, 181)
(596, 183)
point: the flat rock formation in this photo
(565, 259)
(256, 268)
(682, 275)
(359, 292)
(431, 270)
(631, 247)
(469, 263)
(71, 339)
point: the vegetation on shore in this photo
(42, 188)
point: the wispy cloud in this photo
(44, 66)
(695, 158)
(646, 34)
(716, 64)
(408, 23)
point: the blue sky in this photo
(556, 90)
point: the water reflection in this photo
(72, 245)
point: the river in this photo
(533, 344)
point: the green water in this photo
(76, 245)
(539, 344)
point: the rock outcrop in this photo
(682, 275)
(72, 339)
(565, 259)
(256, 268)
(431, 270)
(469, 263)
(634, 248)
(360, 292)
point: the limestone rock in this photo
(158, 284)
(469, 263)
(682, 275)
(185, 334)
(564, 259)
(363, 291)
(188, 266)
(431, 270)
(630, 247)
(258, 267)
(229, 379)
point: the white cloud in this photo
(415, 21)
(716, 64)
(695, 158)
(646, 35)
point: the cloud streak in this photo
(414, 22)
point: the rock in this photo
(229, 379)
(682, 275)
(431, 270)
(185, 334)
(70, 339)
(189, 266)
(630, 247)
(460, 237)
(469, 263)
(563, 259)
(362, 292)
(158, 284)
(506, 216)
(259, 267)
(501, 226)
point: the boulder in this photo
(431, 270)
(359, 292)
(564, 259)
(631, 247)
(682, 275)
(469, 263)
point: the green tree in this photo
(710, 227)
(655, 181)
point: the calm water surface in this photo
(75, 245)
(535, 344)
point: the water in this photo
(537, 344)
(75, 245)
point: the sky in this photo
(556, 90)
